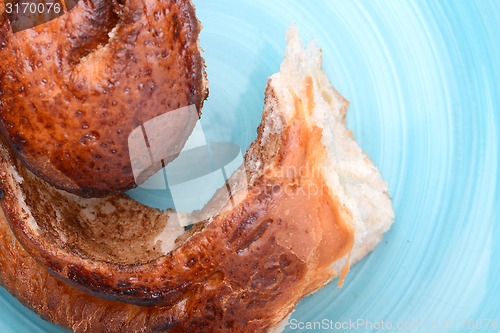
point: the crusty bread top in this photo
(73, 90)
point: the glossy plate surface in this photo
(424, 82)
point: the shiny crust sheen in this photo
(73, 89)
(241, 273)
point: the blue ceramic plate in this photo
(423, 79)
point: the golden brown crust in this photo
(244, 272)
(73, 89)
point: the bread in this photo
(313, 200)
(73, 90)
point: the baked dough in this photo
(72, 90)
(241, 271)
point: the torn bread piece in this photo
(313, 199)
(347, 170)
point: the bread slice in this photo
(311, 200)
